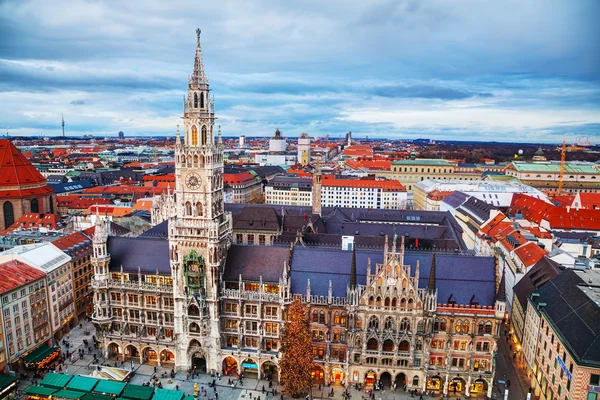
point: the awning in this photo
(137, 392)
(82, 383)
(40, 391)
(95, 396)
(40, 354)
(58, 381)
(68, 394)
(7, 383)
(109, 387)
(168, 394)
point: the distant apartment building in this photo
(577, 177)
(57, 266)
(246, 185)
(567, 357)
(78, 246)
(289, 191)
(24, 316)
(499, 194)
(280, 158)
(362, 193)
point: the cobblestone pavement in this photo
(250, 390)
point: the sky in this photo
(511, 70)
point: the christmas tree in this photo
(296, 363)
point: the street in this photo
(507, 371)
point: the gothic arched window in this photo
(199, 209)
(194, 136)
(204, 135)
(373, 322)
(9, 215)
(405, 325)
(51, 204)
(195, 100)
(188, 208)
(389, 323)
(201, 100)
(35, 206)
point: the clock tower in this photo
(200, 231)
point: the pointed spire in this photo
(198, 76)
(353, 269)
(431, 284)
(501, 295)
(220, 140)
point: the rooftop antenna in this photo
(7, 131)
(63, 123)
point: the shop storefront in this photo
(434, 383)
(479, 388)
(230, 366)
(317, 374)
(41, 357)
(457, 385)
(250, 368)
(370, 379)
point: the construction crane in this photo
(563, 154)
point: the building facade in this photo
(291, 191)
(362, 193)
(377, 313)
(25, 317)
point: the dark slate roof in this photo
(456, 275)
(478, 208)
(161, 230)
(256, 218)
(456, 199)
(149, 254)
(572, 308)
(256, 261)
(72, 186)
(118, 230)
(281, 182)
(538, 275)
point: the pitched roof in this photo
(16, 273)
(147, 254)
(530, 253)
(37, 220)
(18, 177)
(572, 309)
(544, 270)
(459, 276)
(252, 262)
(256, 218)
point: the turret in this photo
(316, 190)
(100, 258)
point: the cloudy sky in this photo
(518, 70)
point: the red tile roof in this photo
(589, 201)
(530, 253)
(536, 210)
(75, 244)
(391, 186)
(18, 177)
(79, 203)
(378, 165)
(16, 274)
(236, 179)
(37, 220)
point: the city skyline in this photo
(450, 71)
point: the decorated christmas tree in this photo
(296, 363)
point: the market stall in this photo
(39, 393)
(95, 396)
(137, 392)
(82, 383)
(68, 395)
(57, 381)
(168, 394)
(109, 388)
(8, 384)
(112, 373)
(41, 357)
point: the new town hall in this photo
(393, 295)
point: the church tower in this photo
(200, 232)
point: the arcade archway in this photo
(434, 383)
(131, 352)
(456, 385)
(400, 381)
(479, 388)
(386, 380)
(318, 374)
(199, 362)
(167, 357)
(230, 366)
(269, 371)
(113, 351)
(370, 379)
(250, 368)
(149, 355)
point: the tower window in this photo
(35, 207)
(194, 136)
(195, 100)
(204, 135)
(9, 215)
(201, 100)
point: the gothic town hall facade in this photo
(393, 296)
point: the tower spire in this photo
(353, 269)
(62, 116)
(198, 76)
(431, 283)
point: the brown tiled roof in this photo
(16, 273)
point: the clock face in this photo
(192, 181)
